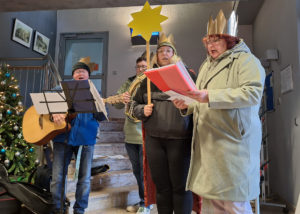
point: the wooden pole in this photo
(148, 67)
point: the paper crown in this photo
(87, 61)
(222, 26)
(166, 41)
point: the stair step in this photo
(112, 125)
(110, 137)
(109, 198)
(109, 179)
(116, 162)
(119, 178)
(107, 149)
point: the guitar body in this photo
(39, 129)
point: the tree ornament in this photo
(31, 149)
(14, 95)
(3, 82)
(20, 103)
(6, 163)
(8, 112)
(7, 74)
(3, 98)
(19, 135)
(3, 151)
(17, 154)
(1, 116)
(16, 128)
(37, 162)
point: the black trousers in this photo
(169, 161)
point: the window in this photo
(74, 46)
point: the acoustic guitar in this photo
(39, 129)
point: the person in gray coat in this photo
(226, 143)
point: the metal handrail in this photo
(37, 76)
(49, 59)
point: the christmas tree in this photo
(18, 156)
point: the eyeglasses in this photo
(212, 41)
(141, 67)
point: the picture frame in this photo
(41, 43)
(22, 33)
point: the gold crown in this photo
(222, 26)
(166, 41)
(87, 61)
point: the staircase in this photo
(115, 188)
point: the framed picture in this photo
(22, 33)
(41, 43)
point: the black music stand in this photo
(78, 96)
(79, 100)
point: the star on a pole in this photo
(146, 21)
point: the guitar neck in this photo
(114, 99)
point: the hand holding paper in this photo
(199, 95)
(176, 96)
(180, 104)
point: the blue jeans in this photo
(84, 175)
(135, 153)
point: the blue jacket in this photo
(84, 129)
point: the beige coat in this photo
(227, 131)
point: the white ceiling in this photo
(247, 9)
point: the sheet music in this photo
(59, 105)
(186, 74)
(174, 95)
(98, 100)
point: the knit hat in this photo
(166, 41)
(84, 63)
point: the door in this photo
(74, 46)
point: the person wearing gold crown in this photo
(81, 140)
(225, 161)
(167, 138)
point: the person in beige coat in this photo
(226, 143)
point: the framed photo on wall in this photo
(22, 33)
(41, 43)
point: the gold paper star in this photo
(146, 21)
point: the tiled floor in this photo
(263, 210)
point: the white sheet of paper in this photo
(174, 95)
(286, 79)
(38, 100)
(98, 100)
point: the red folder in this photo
(172, 77)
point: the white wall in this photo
(276, 26)
(184, 22)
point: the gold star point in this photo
(146, 21)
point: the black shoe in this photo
(99, 169)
